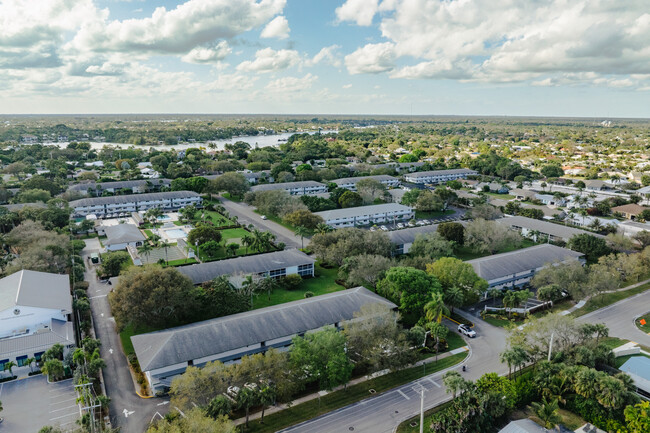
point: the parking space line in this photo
(63, 401)
(64, 416)
(62, 394)
(63, 408)
(404, 395)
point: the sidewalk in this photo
(313, 396)
(582, 302)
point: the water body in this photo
(253, 140)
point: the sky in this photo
(587, 58)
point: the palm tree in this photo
(516, 356)
(9, 366)
(146, 250)
(435, 308)
(30, 362)
(508, 357)
(438, 331)
(247, 240)
(165, 245)
(247, 398)
(266, 397)
(454, 382)
(510, 301)
(612, 392)
(585, 382)
(302, 232)
(231, 249)
(454, 297)
(547, 412)
(323, 228)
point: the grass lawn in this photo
(278, 220)
(178, 223)
(217, 219)
(234, 198)
(496, 321)
(606, 299)
(148, 233)
(181, 262)
(130, 331)
(645, 328)
(324, 282)
(613, 342)
(237, 233)
(427, 215)
(501, 196)
(313, 408)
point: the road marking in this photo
(110, 351)
(163, 403)
(2, 385)
(63, 408)
(128, 412)
(404, 395)
(63, 401)
(102, 314)
(154, 416)
(98, 296)
(179, 411)
(64, 416)
(433, 381)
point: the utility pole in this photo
(422, 410)
(550, 346)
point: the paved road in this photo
(619, 317)
(117, 378)
(382, 414)
(246, 215)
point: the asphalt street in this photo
(383, 413)
(246, 215)
(619, 317)
(129, 412)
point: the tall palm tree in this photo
(454, 382)
(266, 396)
(30, 362)
(10, 366)
(145, 250)
(247, 398)
(302, 232)
(435, 308)
(611, 392)
(247, 240)
(165, 245)
(438, 331)
(454, 297)
(585, 382)
(508, 357)
(547, 412)
(323, 228)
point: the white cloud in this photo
(269, 60)
(327, 55)
(505, 41)
(371, 59)
(209, 54)
(347, 86)
(291, 84)
(177, 31)
(359, 11)
(225, 82)
(278, 28)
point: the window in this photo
(190, 362)
(276, 273)
(305, 270)
(38, 355)
(2, 364)
(20, 361)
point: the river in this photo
(253, 140)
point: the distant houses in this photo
(166, 354)
(351, 182)
(308, 187)
(439, 176)
(365, 215)
(541, 230)
(136, 186)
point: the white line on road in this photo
(63, 408)
(98, 296)
(433, 381)
(404, 395)
(64, 416)
(63, 401)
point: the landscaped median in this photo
(318, 406)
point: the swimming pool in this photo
(163, 218)
(175, 233)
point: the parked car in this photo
(263, 217)
(384, 228)
(464, 329)
(373, 228)
(400, 225)
(411, 224)
(426, 221)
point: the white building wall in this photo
(27, 318)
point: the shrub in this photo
(309, 294)
(83, 285)
(291, 282)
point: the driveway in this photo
(30, 404)
(620, 317)
(128, 411)
(382, 414)
(246, 215)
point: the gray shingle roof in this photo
(203, 272)
(379, 178)
(85, 186)
(440, 172)
(36, 289)
(557, 230)
(122, 234)
(407, 236)
(130, 198)
(287, 185)
(523, 426)
(362, 210)
(210, 337)
(59, 332)
(505, 264)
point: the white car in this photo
(384, 228)
(400, 225)
(373, 228)
(464, 329)
(263, 217)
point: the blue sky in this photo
(467, 57)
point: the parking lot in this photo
(32, 403)
(421, 222)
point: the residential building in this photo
(517, 268)
(35, 314)
(136, 186)
(365, 215)
(630, 211)
(439, 176)
(523, 194)
(551, 200)
(293, 188)
(638, 368)
(121, 236)
(275, 265)
(523, 426)
(541, 230)
(596, 185)
(124, 205)
(493, 187)
(166, 354)
(351, 182)
(403, 239)
(549, 213)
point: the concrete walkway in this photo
(582, 302)
(314, 396)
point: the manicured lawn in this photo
(335, 400)
(422, 215)
(181, 262)
(217, 219)
(237, 233)
(501, 196)
(148, 233)
(613, 342)
(606, 299)
(234, 198)
(178, 223)
(645, 328)
(497, 321)
(324, 282)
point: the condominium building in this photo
(293, 188)
(351, 182)
(365, 215)
(120, 205)
(439, 176)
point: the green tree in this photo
(552, 170)
(411, 288)
(233, 183)
(350, 199)
(246, 398)
(591, 246)
(454, 232)
(145, 250)
(9, 366)
(113, 262)
(438, 332)
(454, 382)
(452, 272)
(547, 412)
(303, 218)
(267, 396)
(194, 420)
(637, 417)
(432, 246)
(435, 308)
(323, 358)
(203, 233)
(302, 232)
(53, 368)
